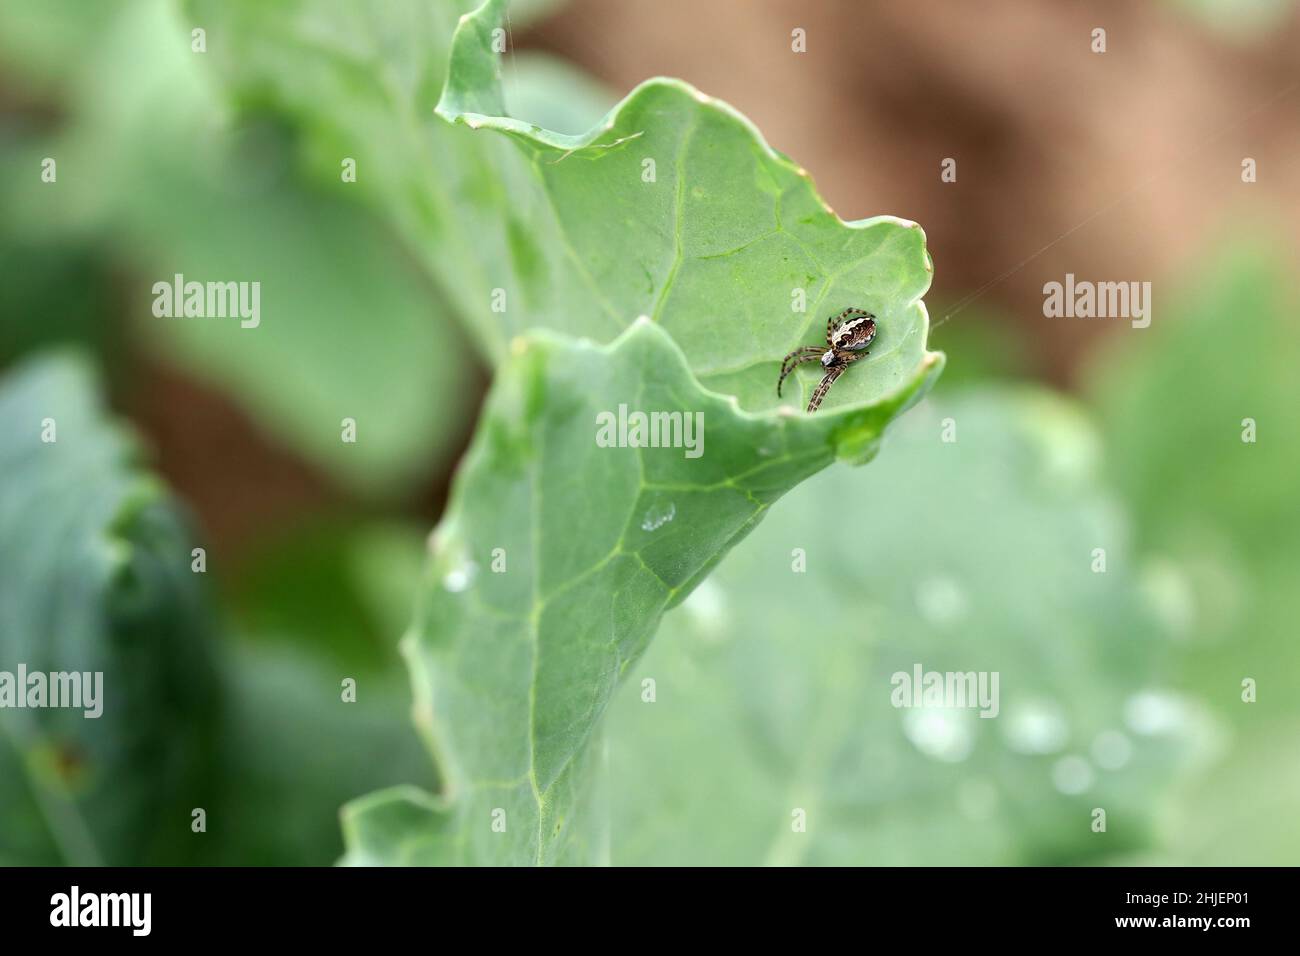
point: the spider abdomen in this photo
(855, 334)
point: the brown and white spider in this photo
(848, 335)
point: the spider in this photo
(848, 335)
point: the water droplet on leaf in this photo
(658, 516)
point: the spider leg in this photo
(799, 353)
(805, 353)
(791, 360)
(796, 358)
(832, 373)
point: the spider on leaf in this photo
(848, 335)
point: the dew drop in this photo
(460, 577)
(658, 516)
(1170, 595)
(1152, 712)
(1111, 750)
(942, 734)
(941, 601)
(1036, 727)
(707, 609)
(977, 799)
(1072, 774)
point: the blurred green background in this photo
(1105, 436)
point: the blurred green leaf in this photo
(56, 294)
(95, 577)
(350, 328)
(36, 39)
(362, 83)
(514, 664)
(292, 751)
(1243, 20)
(1219, 510)
(991, 347)
(1218, 516)
(313, 607)
(344, 590)
(772, 687)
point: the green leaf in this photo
(773, 686)
(514, 665)
(715, 249)
(95, 577)
(720, 248)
